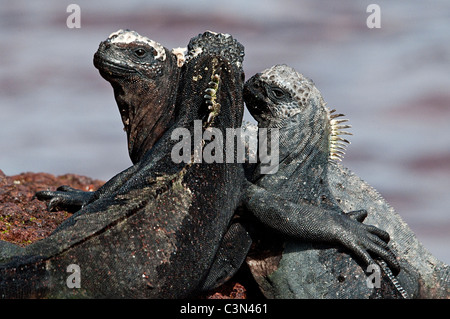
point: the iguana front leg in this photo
(312, 223)
(72, 200)
(66, 198)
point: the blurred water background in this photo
(58, 115)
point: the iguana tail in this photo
(21, 277)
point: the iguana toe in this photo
(65, 198)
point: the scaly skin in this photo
(144, 76)
(301, 183)
(154, 230)
(312, 188)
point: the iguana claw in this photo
(65, 198)
(367, 238)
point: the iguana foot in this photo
(362, 239)
(65, 198)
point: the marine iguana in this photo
(106, 59)
(312, 187)
(144, 76)
(228, 256)
(155, 229)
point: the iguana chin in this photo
(307, 197)
(157, 229)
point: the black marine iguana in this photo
(155, 229)
(311, 190)
(144, 76)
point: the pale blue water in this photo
(58, 115)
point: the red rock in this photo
(24, 219)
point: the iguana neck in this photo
(305, 147)
(145, 116)
(303, 160)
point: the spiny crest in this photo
(337, 144)
(211, 94)
(211, 97)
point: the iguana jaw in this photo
(254, 96)
(124, 53)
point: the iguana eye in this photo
(140, 53)
(277, 93)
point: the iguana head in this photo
(211, 81)
(144, 76)
(280, 96)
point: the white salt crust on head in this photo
(127, 36)
(180, 53)
(184, 55)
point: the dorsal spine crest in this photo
(337, 144)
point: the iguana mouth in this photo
(254, 91)
(109, 68)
